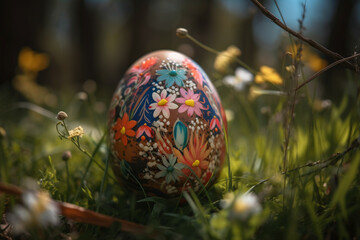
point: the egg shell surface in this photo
(166, 126)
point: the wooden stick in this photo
(80, 214)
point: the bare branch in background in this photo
(311, 42)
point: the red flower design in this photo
(123, 128)
(194, 71)
(215, 123)
(140, 71)
(144, 129)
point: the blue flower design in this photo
(170, 169)
(180, 135)
(171, 75)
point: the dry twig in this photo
(325, 69)
(311, 42)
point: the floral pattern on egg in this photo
(166, 126)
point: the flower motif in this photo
(170, 169)
(163, 103)
(180, 133)
(268, 74)
(215, 124)
(190, 103)
(194, 155)
(194, 71)
(144, 129)
(241, 78)
(140, 71)
(171, 74)
(163, 143)
(38, 210)
(123, 128)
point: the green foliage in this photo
(316, 196)
(48, 180)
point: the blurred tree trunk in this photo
(138, 29)
(86, 41)
(21, 23)
(339, 42)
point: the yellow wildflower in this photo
(76, 132)
(311, 59)
(268, 74)
(315, 62)
(32, 61)
(225, 58)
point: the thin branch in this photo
(333, 159)
(325, 69)
(311, 42)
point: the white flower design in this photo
(163, 103)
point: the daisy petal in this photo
(170, 82)
(190, 111)
(166, 112)
(180, 100)
(173, 106)
(160, 174)
(156, 112)
(161, 167)
(163, 94)
(156, 97)
(162, 72)
(183, 108)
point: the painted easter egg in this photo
(166, 126)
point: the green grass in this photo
(311, 193)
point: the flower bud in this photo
(66, 155)
(182, 32)
(61, 115)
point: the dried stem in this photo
(292, 96)
(333, 159)
(330, 160)
(325, 69)
(311, 42)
